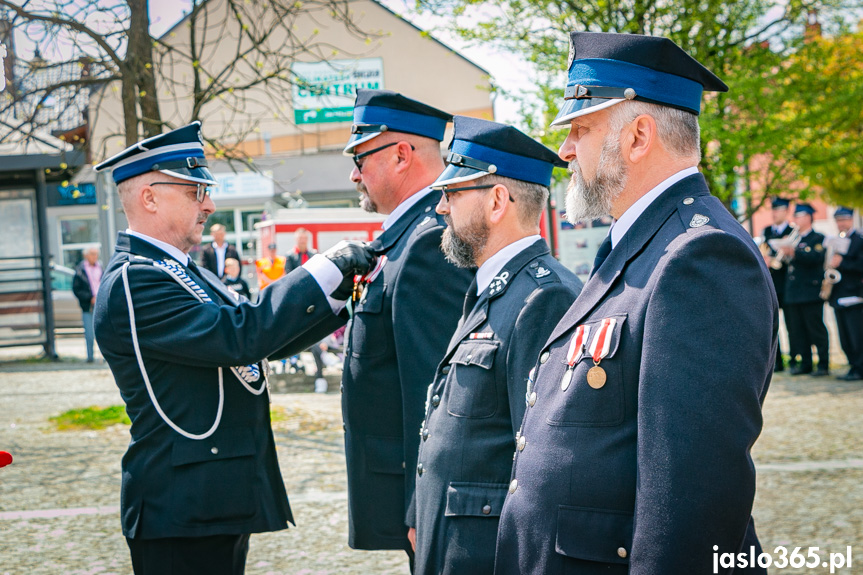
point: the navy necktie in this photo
(470, 298)
(601, 254)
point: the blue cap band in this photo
(145, 165)
(401, 121)
(508, 165)
(648, 84)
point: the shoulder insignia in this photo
(426, 220)
(542, 271)
(498, 283)
(698, 220)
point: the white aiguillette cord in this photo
(134, 330)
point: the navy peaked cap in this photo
(480, 147)
(843, 212)
(379, 111)
(606, 68)
(178, 153)
(803, 208)
(779, 203)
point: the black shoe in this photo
(797, 370)
(852, 375)
(820, 372)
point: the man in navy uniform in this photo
(495, 189)
(804, 309)
(779, 270)
(200, 473)
(638, 434)
(404, 318)
(846, 297)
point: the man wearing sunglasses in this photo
(494, 191)
(405, 316)
(200, 473)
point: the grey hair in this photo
(678, 130)
(530, 199)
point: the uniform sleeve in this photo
(427, 304)
(174, 326)
(709, 343)
(535, 322)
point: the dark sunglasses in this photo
(203, 190)
(447, 192)
(358, 157)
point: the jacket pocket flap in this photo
(373, 300)
(226, 445)
(385, 454)
(479, 353)
(602, 535)
(477, 499)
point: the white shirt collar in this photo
(495, 263)
(621, 226)
(403, 207)
(167, 248)
(780, 228)
(221, 248)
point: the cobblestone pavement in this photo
(58, 500)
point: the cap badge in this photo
(571, 56)
(541, 272)
(698, 220)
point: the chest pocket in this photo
(580, 404)
(470, 388)
(367, 324)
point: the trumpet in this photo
(780, 259)
(832, 276)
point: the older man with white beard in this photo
(646, 398)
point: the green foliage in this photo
(788, 119)
(91, 418)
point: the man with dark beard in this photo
(494, 191)
(404, 318)
(647, 396)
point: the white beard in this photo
(587, 201)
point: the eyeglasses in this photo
(202, 191)
(447, 192)
(358, 157)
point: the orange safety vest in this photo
(270, 270)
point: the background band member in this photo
(638, 434)
(846, 297)
(494, 191)
(804, 310)
(780, 228)
(405, 316)
(200, 473)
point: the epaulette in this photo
(542, 274)
(695, 213)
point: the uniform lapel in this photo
(384, 242)
(632, 243)
(479, 314)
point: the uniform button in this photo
(531, 399)
(403, 465)
(513, 485)
(621, 552)
(544, 357)
(688, 201)
(428, 209)
(420, 468)
(486, 509)
(342, 388)
(468, 357)
(214, 450)
(436, 400)
(310, 309)
(445, 369)
(521, 443)
(425, 434)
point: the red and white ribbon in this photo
(601, 344)
(370, 277)
(579, 340)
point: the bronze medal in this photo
(596, 377)
(567, 377)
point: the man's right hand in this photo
(351, 257)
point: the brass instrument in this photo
(780, 259)
(832, 276)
